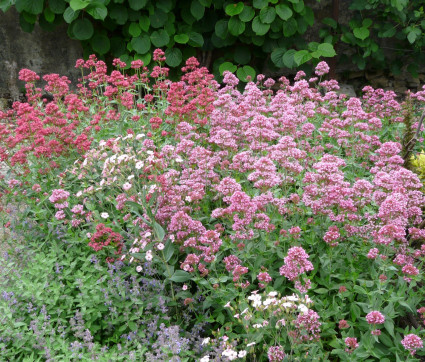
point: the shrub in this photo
(270, 224)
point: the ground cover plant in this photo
(191, 221)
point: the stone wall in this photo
(41, 51)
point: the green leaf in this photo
(100, 43)
(283, 11)
(169, 250)
(326, 50)
(355, 312)
(137, 4)
(82, 29)
(181, 38)
(30, 18)
(236, 26)
(290, 27)
(173, 57)
(389, 326)
(412, 36)
(276, 57)
(330, 22)
(159, 231)
(164, 5)
(49, 15)
(260, 4)
(158, 18)
(57, 6)
(119, 14)
(180, 276)
(134, 30)
(195, 39)
(242, 55)
(145, 58)
(70, 15)
(141, 44)
(298, 6)
(247, 14)
(133, 326)
(367, 22)
(197, 9)
(234, 9)
(227, 66)
(97, 11)
(245, 71)
(301, 57)
(258, 27)
(288, 58)
(30, 6)
(25, 25)
(361, 33)
(78, 4)
(160, 38)
(221, 28)
(267, 15)
(144, 23)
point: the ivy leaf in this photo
(247, 14)
(361, 33)
(244, 72)
(158, 18)
(173, 57)
(97, 11)
(100, 44)
(57, 6)
(78, 4)
(30, 6)
(144, 23)
(276, 57)
(227, 66)
(134, 30)
(82, 29)
(181, 38)
(260, 4)
(301, 57)
(290, 27)
(137, 4)
(221, 28)
(234, 9)
(236, 26)
(195, 39)
(160, 38)
(141, 44)
(197, 9)
(119, 14)
(326, 50)
(413, 34)
(258, 27)
(288, 58)
(283, 11)
(267, 15)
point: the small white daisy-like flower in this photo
(126, 186)
(179, 160)
(139, 268)
(104, 215)
(206, 341)
(160, 246)
(139, 136)
(130, 177)
(139, 165)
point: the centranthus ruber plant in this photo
(228, 206)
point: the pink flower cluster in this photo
(296, 263)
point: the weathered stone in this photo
(41, 51)
(380, 82)
(375, 74)
(346, 89)
(357, 74)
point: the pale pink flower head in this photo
(412, 342)
(276, 353)
(296, 263)
(158, 55)
(60, 215)
(58, 195)
(321, 69)
(351, 344)
(375, 317)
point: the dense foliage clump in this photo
(191, 221)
